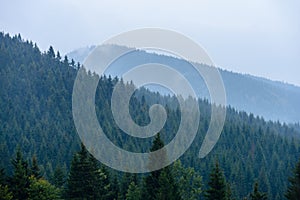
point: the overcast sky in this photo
(259, 37)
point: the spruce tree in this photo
(80, 181)
(188, 180)
(114, 188)
(66, 61)
(86, 180)
(133, 192)
(19, 182)
(58, 177)
(50, 52)
(58, 57)
(5, 194)
(102, 183)
(35, 170)
(40, 189)
(167, 187)
(217, 185)
(151, 182)
(256, 194)
(160, 184)
(124, 184)
(2, 177)
(293, 191)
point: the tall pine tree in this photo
(160, 184)
(217, 185)
(19, 182)
(188, 180)
(86, 180)
(58, 177)
(256, 194)
(133, 192)
(35, 170)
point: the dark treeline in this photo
(88, 179)
(36, 116)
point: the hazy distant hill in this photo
(271, 99)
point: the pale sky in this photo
(258, 37)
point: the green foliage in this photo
(126, 180)
(5, 194)
(115, 189)
(40, 189)
(293, 191)
(188, 180)
(133, 192)
(50, 52)
(2, 177)
(36, 114)
(103, 184)
(151, 182)
(35, 170)
(86, 180)
(256, 194)
(160, 184)
(168, 189)
(35, 105)
(217, 185)
(58, 177)
(20, 180)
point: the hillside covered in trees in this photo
(40, 148)
(244, 92)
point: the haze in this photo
(255, 37)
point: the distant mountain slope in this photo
(271, 99)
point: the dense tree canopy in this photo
(36, 114)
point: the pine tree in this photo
(256, 195)
(2, 177)
(35, 170)
(217, 185)
(51, 52)
(115, 189)
(58, 177)
(19, 182)
(167, 187)
(81, 177)
(66, 61)
(58, 57)
(74, 189)
(5, 194)
(103, 185)
(124, 184)
(40, 189)
(86, 180)
(293, 191)
(151, 182)
(160, 184)
(229, 192)
(133, 192)
(72, 63)
(188, 180)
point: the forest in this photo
(42, 156)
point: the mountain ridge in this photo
(273, 100)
